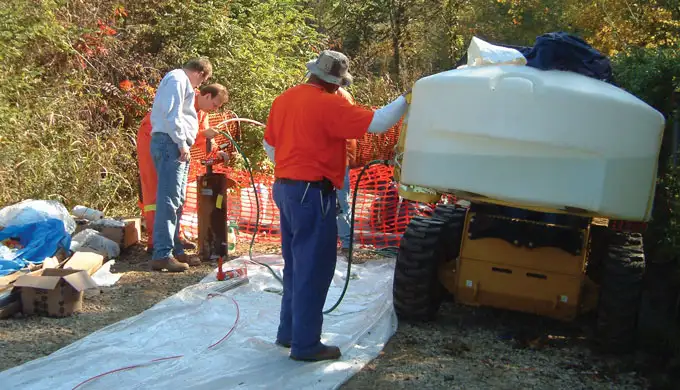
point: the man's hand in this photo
(184, 154)
(224, 156)
(210, 133)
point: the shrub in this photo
(78, 77)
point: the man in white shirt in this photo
(174, 126)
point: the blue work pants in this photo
(170, 195)
(308, 243)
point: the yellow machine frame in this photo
(545, 281)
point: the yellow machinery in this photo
(499, 255)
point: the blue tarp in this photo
(39, 240)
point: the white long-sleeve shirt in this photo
(269, 150)
(173, 111)
(387, 116)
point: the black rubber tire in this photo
(417, 292)
(620, 292)
(454, 218)
(598, 250)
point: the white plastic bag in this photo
(104, 277)
(481, 53)
(87, 213)
(90, 238)
(30, 211)
(7, 253)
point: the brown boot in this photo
(326, 353)
(192, 261)
(169, 263)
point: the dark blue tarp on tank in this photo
(563, 51)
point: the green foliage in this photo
(258, 49)
(46, 147)
(653, 75)
(67, 127)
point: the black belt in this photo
(324, 185)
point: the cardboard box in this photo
(133, 232)
(127, 235)
(50, 262)
(88, 261)
(9, 310)
(98, 251)
(7, 280)
(53, 292)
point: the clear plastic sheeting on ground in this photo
(191, 341)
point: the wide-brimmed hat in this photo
(331, 67)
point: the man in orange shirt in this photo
(306, 137)
(210, 98)
(343, 215)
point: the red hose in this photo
(233, 327)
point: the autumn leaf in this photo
(126, 85)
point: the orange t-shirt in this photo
(203, 124)
(308, 127)
(351, 159)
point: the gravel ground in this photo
(465, 348)
(469, 348)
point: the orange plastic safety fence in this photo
(377, 146)
(381, 216)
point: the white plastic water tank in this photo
(548, 139)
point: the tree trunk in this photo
(397, 25)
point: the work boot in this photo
(169, 263)
(327, 352)
(192, 261)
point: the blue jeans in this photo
(308, 243)
(170, 196)
(344, 216)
